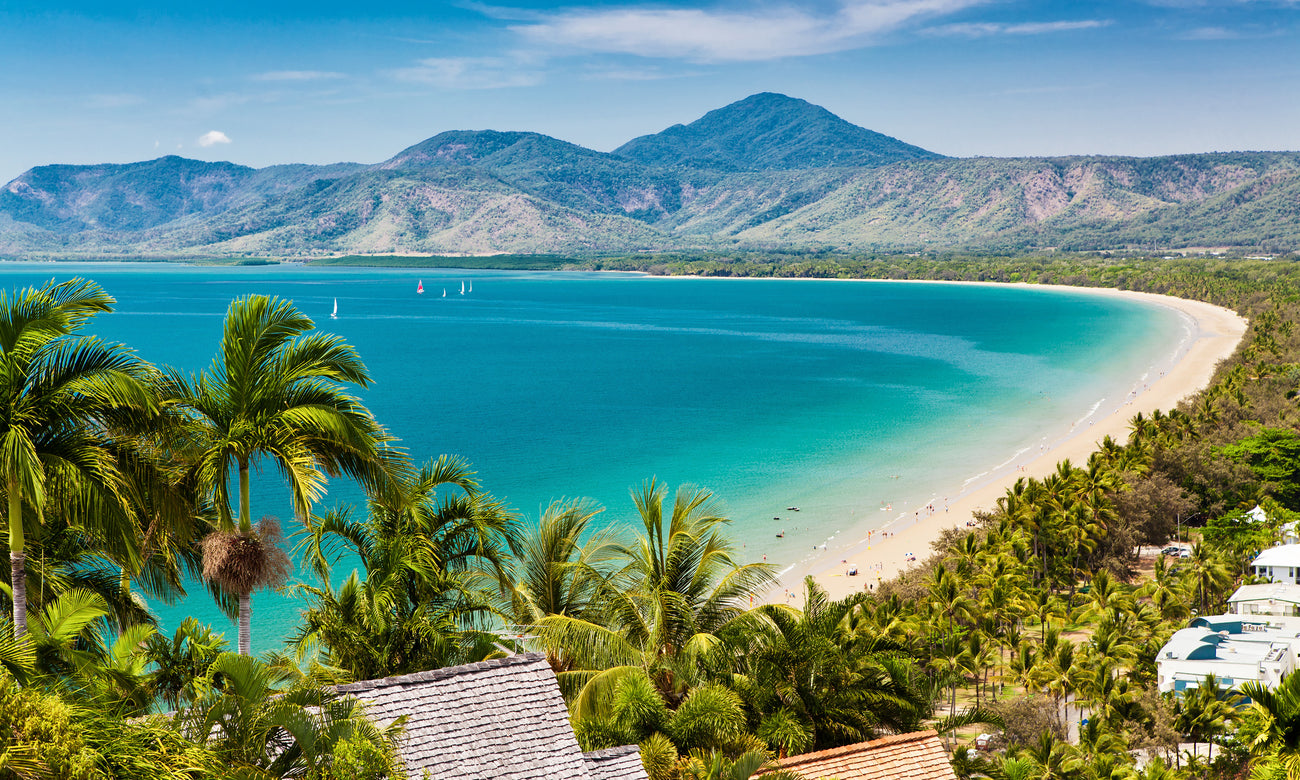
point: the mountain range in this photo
(766, 172)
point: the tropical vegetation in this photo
(1040, 625)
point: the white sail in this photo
(334, 314)
(462, 288)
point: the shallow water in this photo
(836, 397)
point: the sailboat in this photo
(420, 288)
(334, 315)
(462, 288)
(444, 292)
(471, 285)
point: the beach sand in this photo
(1215, 335)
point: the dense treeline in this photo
(121, 477)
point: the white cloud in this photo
(983, 29)
(1210, 34)
(297, 75)
(213, 137)
(704, 35)
(470, 73)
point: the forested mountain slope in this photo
(766, 171)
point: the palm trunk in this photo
(245, 524)
(245, 625)
(17, 562)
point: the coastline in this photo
(1215, 333)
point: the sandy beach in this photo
(881, 553)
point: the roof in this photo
(1281, 555)
(1272, 591)
(1190, 644)
(916, 756)
(495, 720)
(618, 763)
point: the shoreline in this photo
(1215, 334)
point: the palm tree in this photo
(1278, 736)
(61, 398)
(1209, 576)
(1205, 711)
(432, 548)
(678, 590)
(274, 390)
(262, 724)
(557, 569)
(813, 683)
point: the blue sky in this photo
(260, 83)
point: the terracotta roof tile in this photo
(916, 756)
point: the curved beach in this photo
(880, 553)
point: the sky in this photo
(290, 81)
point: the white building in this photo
(1272, 599)
(1232, 649)
(1278, 564)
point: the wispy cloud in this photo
(212, 138)
(470, 73)
(985, 29)
(297, 75)
(1210, 34)
(714, 35)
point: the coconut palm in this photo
(678, 589)
(62, 396)
(812, 683)
(559, 568)
(1276, 723)
(1208, 576)
(275, 390)
(433, 549)
(262, 723)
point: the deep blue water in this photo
(836, 397)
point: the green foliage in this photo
(1274, 455)
(432, 544)
(507, 262)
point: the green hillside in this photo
(768, 172)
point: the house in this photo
(916, 756)
(1233, 648)
(1290, 532)
(1272, 599)
(1278, 564)
(495, 720)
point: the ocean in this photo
(853, 401)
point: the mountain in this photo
(769, 132)
(767, 172)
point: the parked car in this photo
(1171, 550)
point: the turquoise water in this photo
(836, 397)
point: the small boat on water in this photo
(792, 509)
(419, 288)
(471, 285)
(462, 288)
(334, 315)
(444, 292)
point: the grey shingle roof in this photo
(495, 720)
(619, 763)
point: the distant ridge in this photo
(766, 172)
(769, 132)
